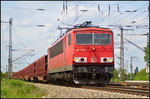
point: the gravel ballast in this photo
(54, 91)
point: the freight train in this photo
(83, 55)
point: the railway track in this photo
(110, 87)
(113, 88)
(121, 89)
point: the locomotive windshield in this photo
(93, 39)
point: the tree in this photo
(115, 76)
(142, 75)
(119, 75)
(146, 57)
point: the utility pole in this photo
(131, 67)
(122, 51)
(148, 36)
(10, 48)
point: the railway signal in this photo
(131, 76)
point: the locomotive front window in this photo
(84, 39)
(93, 39)
(102, 39)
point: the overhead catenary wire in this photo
(18, 37)
(85, 2)
(118, 10)
(22, 8)
(84, 12)
(141, 20)
(34, 25)
(99, 9)
(109, 10)
(60, 20)
(133, 17)
(134, 44)
(130, 13)
(37, 50)
(39, 47)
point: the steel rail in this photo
(126, 90)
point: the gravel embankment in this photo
(54, 91)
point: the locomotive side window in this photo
(56, 49)
(84, 39)
(102, 39)
(93, 39)
(69, 39)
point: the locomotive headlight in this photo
(80, 59)
(110, 59)
(106, 59)
(76, 59)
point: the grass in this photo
(19, 89)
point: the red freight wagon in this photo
(41, 68)
(84, 54)
(21, 74)
(15, 75)
(25, 71)
(29, 72)
(35, 71)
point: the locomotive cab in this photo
(93, 61)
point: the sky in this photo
(27, 35)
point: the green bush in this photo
(115, 76)
(19, 89)
(142, 75)
(2, 75)
(122, 77)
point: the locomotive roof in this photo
(81, 29)
(86, 26)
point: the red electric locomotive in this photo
(85, 55)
